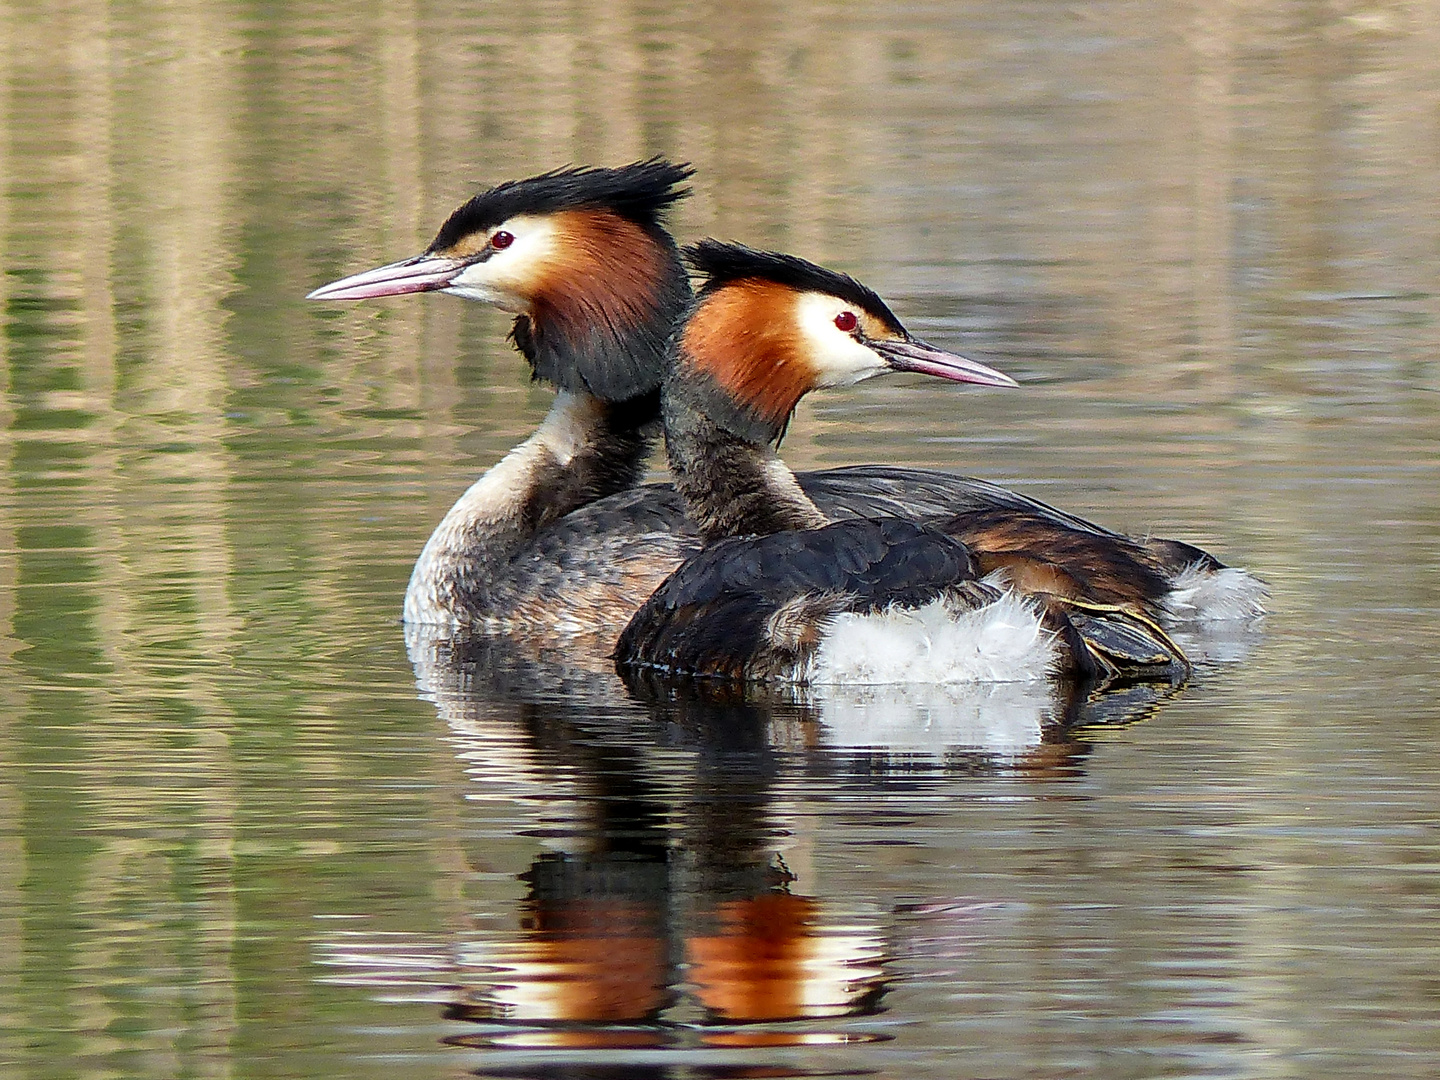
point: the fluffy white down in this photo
(1201, 595)
(1000, 642)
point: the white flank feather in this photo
(1201, 595)
(1000, 642)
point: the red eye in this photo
(846, 321)
(501, 240)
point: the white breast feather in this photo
(496, 497)
(1000, 642)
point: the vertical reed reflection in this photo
(137, 575)
(12, 844)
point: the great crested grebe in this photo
(556, 538)
(989, 593)
(582, 258)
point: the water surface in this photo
(244, 831)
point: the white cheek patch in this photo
(507, 278)
(838, 358)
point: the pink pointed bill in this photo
(423, 273)
(913, 355)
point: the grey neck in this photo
(584, 450)
(733, 485)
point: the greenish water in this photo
(242, 833)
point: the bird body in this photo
(993, 588)
(863, 600)
(560, 537)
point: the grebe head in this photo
(768, 328)
(580, 255)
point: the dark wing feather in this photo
(921, 494)
(710, 616)
(1040, 549)
(1038, 555)
(634, 538)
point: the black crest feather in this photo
(723, 263)
(640, 192)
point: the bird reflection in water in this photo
(609, 938)
(664, 911)
(669, 916)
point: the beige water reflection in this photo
(1205, 234)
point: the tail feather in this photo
(1200, 593)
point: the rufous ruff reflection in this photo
(590, 948)
(771, 958)
(606, 946)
